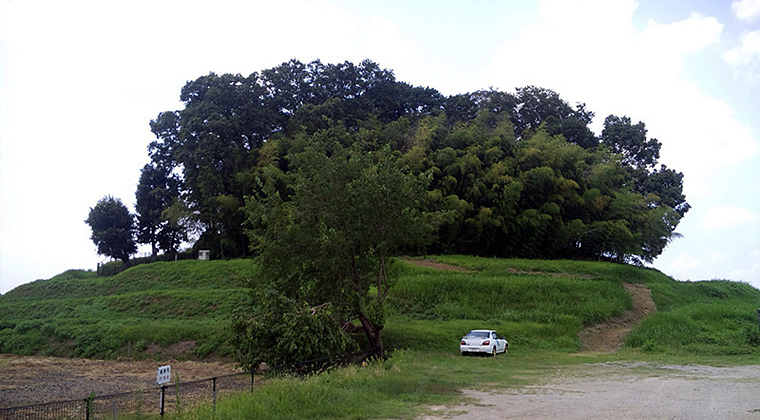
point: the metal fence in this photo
(156, 401)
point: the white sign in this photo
(164, 374)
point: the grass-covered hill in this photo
(182, 309)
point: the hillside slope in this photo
(169, 308)
(181, 309)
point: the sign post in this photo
(163, 376)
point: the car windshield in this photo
(478, 334)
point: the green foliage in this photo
(156, 196)
(112, 227)
(521, 174)
(113, 268)
(330, 238)
(283, 331)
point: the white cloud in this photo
(387, 45)
(591, 52)
(747, 10)
(724, 217)
(718, 257)
(746, 274)
(746, 52)
(684, 261)
(745, 57)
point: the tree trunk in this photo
(374, 333)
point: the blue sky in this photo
(80, 81)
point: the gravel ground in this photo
(623, 391)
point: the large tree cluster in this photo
(325, 171)
(520, 173)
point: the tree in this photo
(112, 226)
(630, 141)
(329, 237)
(216, 140)
(212, 141)
(536, 106)
(156, 193)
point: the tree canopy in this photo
(522, 172)
(112, 228)
(157, 193)
(325, 232)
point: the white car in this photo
(486, 342)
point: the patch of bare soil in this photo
(31, 379)
(555, 274)
(429, 263)
(609, 336)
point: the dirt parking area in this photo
(622, 391)
(33, 380)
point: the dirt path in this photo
(622, 391)
(31, 379)
(610, 336)
(430, 263)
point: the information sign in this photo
(164, 374)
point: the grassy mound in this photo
(140, 312)
(182, 309)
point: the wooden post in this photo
(163, 395)
(214, 386)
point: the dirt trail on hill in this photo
(609, 336)
(429, 263)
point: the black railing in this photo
(156, 401)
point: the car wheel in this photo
(464, 353)
(493, 351)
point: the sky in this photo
(81, 80)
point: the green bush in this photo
(111, 268)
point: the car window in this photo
(478, 334)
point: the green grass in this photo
(409, 383)
(712, 318)
(539, 305)
(402, 387)
(79, 314)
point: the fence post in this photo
(161, 406)
(88, 405)
(213, 381)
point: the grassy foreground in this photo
(409, 384)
